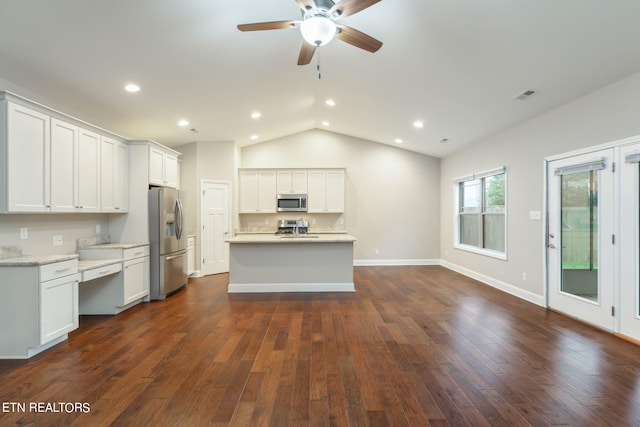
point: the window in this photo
(481, 214)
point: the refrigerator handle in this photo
(179, 218)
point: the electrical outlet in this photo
(97, 228)
(524, 277)
(377, 251)
(24, 233)
(57, 240)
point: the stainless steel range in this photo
(293, 227)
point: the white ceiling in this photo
(455, 64)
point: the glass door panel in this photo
(580, 253)
(579, 234)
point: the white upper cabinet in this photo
(64, 166)
(292, 181)
(114, 175)
(88, 166)
(257, 191)
(26, 156)
(51, 164)
(163, 167)
(75, 168)
(326, 191)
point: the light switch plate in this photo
(24, 233)
(57, 240)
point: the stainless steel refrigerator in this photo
(168, 242)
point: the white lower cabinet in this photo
(120, 289)
(58, 307)
(191, 255)
(38, 308)
(136, 279)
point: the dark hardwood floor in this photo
(414, 346)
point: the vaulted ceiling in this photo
(456, 65)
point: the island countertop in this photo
(280, 239)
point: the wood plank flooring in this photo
(414, 346)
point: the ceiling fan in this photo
(318, 26)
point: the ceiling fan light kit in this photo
(318, 26)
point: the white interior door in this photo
(215, 227)
(629, 241)
(580, 248)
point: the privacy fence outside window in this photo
(481, 212)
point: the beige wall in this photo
(606, 115)
(392, 195)
(216, 161)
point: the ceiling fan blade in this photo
(351, 7)
(275, 25)
(306, 5)
(306, 53)
(358, 39)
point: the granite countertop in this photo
(25, 260)
(88, 264)
(117, 245)
(310, 238)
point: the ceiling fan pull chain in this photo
(318, 66)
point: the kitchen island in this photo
(305, 263)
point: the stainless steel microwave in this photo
(292, 202)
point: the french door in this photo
(580, 241)
(629, 241)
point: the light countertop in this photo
(25, 260)
(311, 238)
(118, 245)
(88, 264)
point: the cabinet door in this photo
(58, 307)
(64, 163)
(28, 160)
(248, 191)
(284, 182)
(267, 191)
(156, 166)
(299, 181)
(317, 191)
(136, 279)
(114, 176)
(170, 171)
(334, 201)
(121, 178)
(88, 168)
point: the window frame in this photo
(480, 177)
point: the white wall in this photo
(42, 228)
(606, 115)
(204, 160)
(392, 195)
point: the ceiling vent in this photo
(523, 96)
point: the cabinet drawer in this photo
(138, 252)
(58, 269)
(105, 270)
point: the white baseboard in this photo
(498, 284)
(390, 262)
(290, 287)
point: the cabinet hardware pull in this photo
(62, 270)
(138, 253)
(104, 271)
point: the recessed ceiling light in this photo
(418, 124)
(254, 137)
(132, 87)
(325, 123)
(398, 141)
(330, 102)
(183, 123)
(256, 115)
